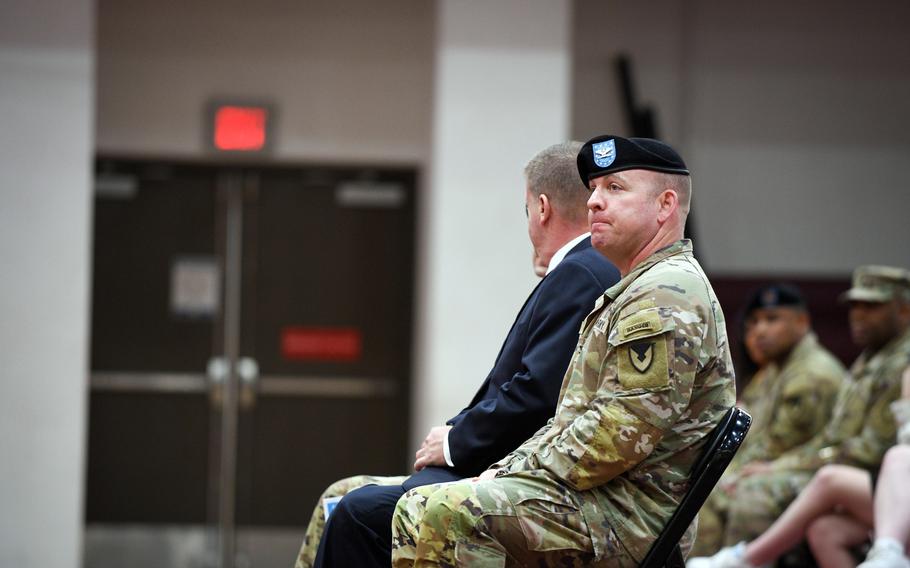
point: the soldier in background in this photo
(850, 448)
(650, 379)
(791, 399)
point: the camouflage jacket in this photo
(862, 427)
(650, 379)
(791, 403)
(751, 398)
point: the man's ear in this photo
(668, 202)
(544, 208)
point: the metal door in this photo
(251, 337)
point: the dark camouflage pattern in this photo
(650, 378)
(524, 519)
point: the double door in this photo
(250, 343)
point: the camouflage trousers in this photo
(307, 554)
(744, 509)
(516, 520)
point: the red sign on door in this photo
(321, 343)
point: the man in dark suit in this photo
(519, 394)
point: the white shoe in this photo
(727, 557)
(886, 554)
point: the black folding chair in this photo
(719, 450)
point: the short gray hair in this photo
(554, 172)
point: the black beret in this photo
(774, 295)
(606, 154)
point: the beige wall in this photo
(791, 115)
(46, 87)
(352, 80)
(502, 92)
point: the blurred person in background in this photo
(791, 397)
(836, 511)
(778, 500)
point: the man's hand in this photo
(431, 452)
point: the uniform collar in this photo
(683, 246)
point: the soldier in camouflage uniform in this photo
(851, 446)
(650, 379)
(790, 400)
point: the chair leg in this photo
(676, 559)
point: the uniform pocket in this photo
(551, 522)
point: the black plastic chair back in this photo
(720, 449)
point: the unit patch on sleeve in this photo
(641, 344)
(641, 355)
(643, 363)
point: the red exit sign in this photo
(321, 343)
(240, 127)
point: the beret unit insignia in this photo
(604, 153)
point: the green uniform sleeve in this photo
(522, 451)
(644, 368)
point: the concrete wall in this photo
(46, 95)
(791, 117)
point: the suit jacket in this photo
(519, 395)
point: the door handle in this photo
(248, 370)
(217, 370)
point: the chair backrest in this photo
(720, 449)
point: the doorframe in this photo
(232, 179)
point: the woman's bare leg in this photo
(831, 537)
(835, 488)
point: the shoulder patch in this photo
(643, 364)
(639, 324)
(641, 345)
